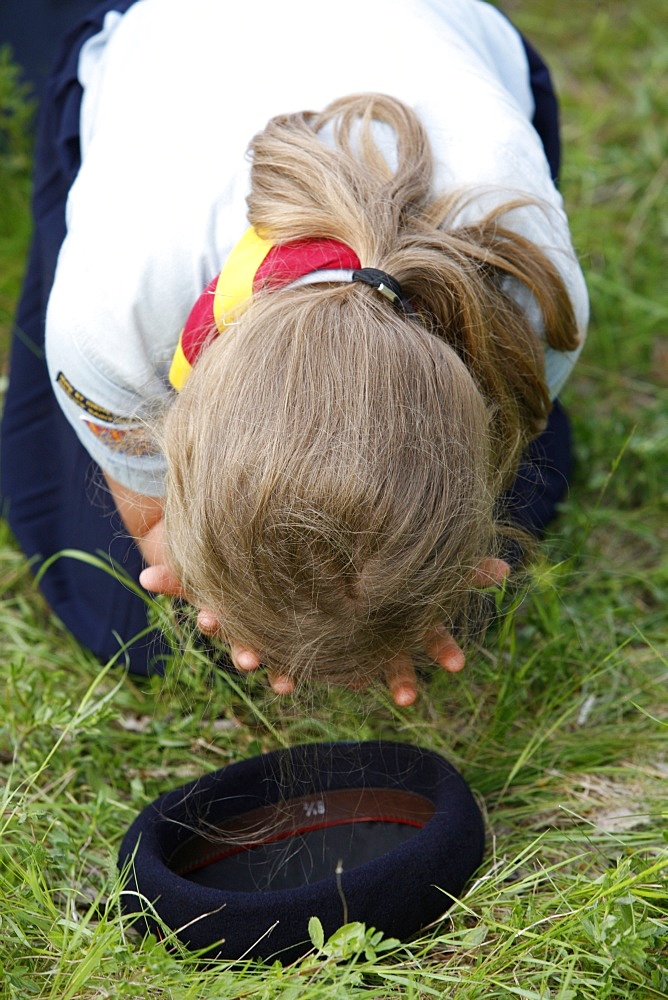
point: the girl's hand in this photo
(400, 673)
(143, 518)
(161, 580)
(439, 644)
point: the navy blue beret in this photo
(238, 861)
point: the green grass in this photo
(560, 723)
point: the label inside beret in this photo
(299, 840)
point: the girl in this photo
(320, 450)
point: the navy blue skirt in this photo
(52, 494)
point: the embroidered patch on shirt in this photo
(94, 409)
(134, 441)
(125, 435)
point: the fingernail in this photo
(456, 663)
(246, 660)
(404, 695)
(283, 685)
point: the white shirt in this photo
(173, 93)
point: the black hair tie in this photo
(386, 285)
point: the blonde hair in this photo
(335, 466)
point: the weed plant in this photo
(559, 723)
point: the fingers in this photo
(281, 683)
(244, 658)
(401, 680)
(440, 645)
(443, 649)
(399, 671)
(490, 572)
(207, 622)
(161, 580)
